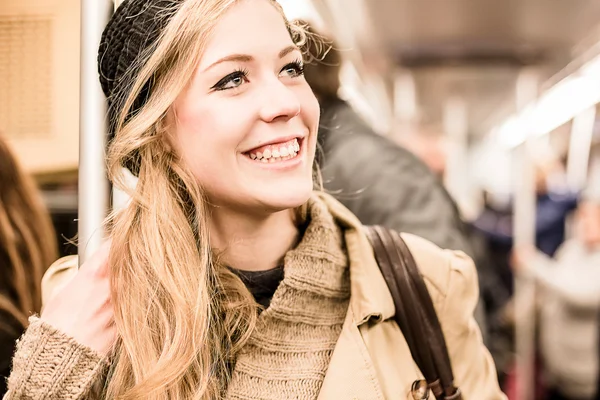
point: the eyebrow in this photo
(288, 50)
(248, 58)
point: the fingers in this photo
(84, 311)
(98, 261)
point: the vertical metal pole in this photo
(405, 97)
(93, 184)
(582, 132)
(524, 235)
(592, 187)
(456, 128)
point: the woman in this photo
(27, 248)
(211, 111)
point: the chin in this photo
(290, 196)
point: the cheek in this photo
(310, 112)
(312, 109)
(203, 140)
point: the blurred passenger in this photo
(27, 248)
(570, 305)
(496, 224)
(552, 209)
(383, 183)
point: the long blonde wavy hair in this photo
(27, 241)
(181, 318)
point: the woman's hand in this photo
(82, 309)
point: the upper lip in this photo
(276, 141)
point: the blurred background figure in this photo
(27, 248)
(553, 206)
(496, 226)
(381, 182)
(569, 305)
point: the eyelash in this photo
(238, 73)
(298, 65)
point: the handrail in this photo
(93, 184)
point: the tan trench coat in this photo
(371, 359)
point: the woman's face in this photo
(247, 123)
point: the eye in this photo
(232, 81)
(294, 69)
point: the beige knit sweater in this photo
(288, 354)
(50, 365)
(286, 358)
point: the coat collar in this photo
(370, 297)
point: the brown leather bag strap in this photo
(415, 313)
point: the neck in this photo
(252, 243)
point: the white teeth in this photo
(275, 155)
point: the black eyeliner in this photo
(238, 73)
(298, 64)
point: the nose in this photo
(279, 102)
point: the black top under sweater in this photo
(262, 284)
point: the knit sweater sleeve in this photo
(50, 365)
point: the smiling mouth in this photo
(276, 152)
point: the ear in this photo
(167, 128)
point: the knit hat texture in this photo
(133, 29)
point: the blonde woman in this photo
(27, 248)
(227, 277)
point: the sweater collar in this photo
(370, 297)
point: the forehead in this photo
(249, 27)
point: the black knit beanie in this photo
(133, 28)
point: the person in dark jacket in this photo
(382, 183)
(27, 248)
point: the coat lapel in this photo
(368, 329)
(351, 374)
